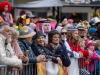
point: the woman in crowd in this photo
(73, 41)
(63, 33)
(50, 65)
(57, 48)
(15, 45)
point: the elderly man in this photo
(7, 56)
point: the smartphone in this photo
(26, 52)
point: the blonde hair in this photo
(14, 32)
(82, 43)
(97, 44)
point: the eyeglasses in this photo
(62, 33)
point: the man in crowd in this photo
(81, 31)
(46, 28)
(7, 56)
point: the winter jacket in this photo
(61, 51)
(68, 51)
(93, 59)
(26, 46)
(31, 56)
(7, 55)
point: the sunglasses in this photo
(62, 33)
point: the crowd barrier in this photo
(3, 69)
(29, 69)
(95, 72)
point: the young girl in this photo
(82, 43)
(92, 59)
(97, 47)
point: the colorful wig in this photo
(2, 5)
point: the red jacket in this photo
(77, 48)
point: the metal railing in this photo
(30, 69)
(3, 69)
(95, 71)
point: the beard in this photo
(8, 39)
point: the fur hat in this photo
(26, 32)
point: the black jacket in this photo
(96, 36)
(61, 51)
(38, 49)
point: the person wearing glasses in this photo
(69, 52)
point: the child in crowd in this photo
(82, 43)
(97, 46)
(92, 59)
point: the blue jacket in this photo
(26, 46)
(61, 51)
(67, 51)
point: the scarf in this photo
(54, 47)
(41, 67)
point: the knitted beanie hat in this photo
(72, 28)
(89, 43)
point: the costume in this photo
(4, 12)
(24, 20)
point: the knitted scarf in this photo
(54, 47)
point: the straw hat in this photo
(26, 32)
